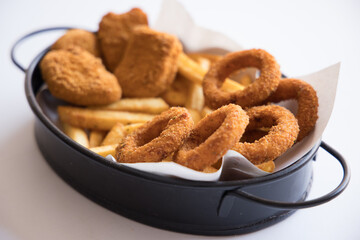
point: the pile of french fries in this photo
(102, 128)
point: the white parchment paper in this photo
(174, 19)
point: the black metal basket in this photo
(206, 208)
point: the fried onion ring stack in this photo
(127, 58)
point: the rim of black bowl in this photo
(30, 95)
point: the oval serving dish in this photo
(206, 208)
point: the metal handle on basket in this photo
(295, 205)
(12, 53)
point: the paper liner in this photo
(174, 19)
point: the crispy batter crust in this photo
(212, 137)
(253, 94)
(76, 76)
(281, 136)
(80, 38)
(156, 139)
(150, 63)
(114, 33)
(307, 99)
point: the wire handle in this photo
(229, 196)
(16, 44)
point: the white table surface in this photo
(304, 37)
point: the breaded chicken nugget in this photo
(150, 63)
(76, 76)
(114, 33)
(80, 38)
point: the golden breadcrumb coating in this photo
(253, 94)
(307, 99)
(76, 76)
(212, 137)
(281, 136)
(156, 139)
(80, 38)
(114, 33)
(150, 63)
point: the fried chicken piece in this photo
(149, 65)
(114, 33)
(76, 76)
(80, 38)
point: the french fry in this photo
(245, 80)
(195, 114)
(205, 60)
(176, 94)
(193, 71)
(115, 135)
(96, 137)
(143, 105)
(105, 150)
(205, 111)
(232, 86)
(267, 166)
(168, 158)
(211, 57)
(196, 98)
(204, 63)
(76, 134)
(190, 69)
(131, 127)
(209, 169)
(99, 119)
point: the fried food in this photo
(157, 139)
(195, 96)
(96, 137)
(191, 70)
(283, 132)
(195, 115)
(243, 76)
(211, 57)
(205, 111)
(212, 137)
(114, 33)
(115, 135)
(176, 94)
(132, 127)
(149, 64)
(290, 88)
(267, 166)
(76, 134)
(144, 105)
(104, 150)
(78, 37)
(99, 119)
(253, 94)
(76, 76)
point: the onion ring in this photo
(212, 137)
(156, 139)
(290, 88)
(253, 94)
(281, 136)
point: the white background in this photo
(304, 36)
